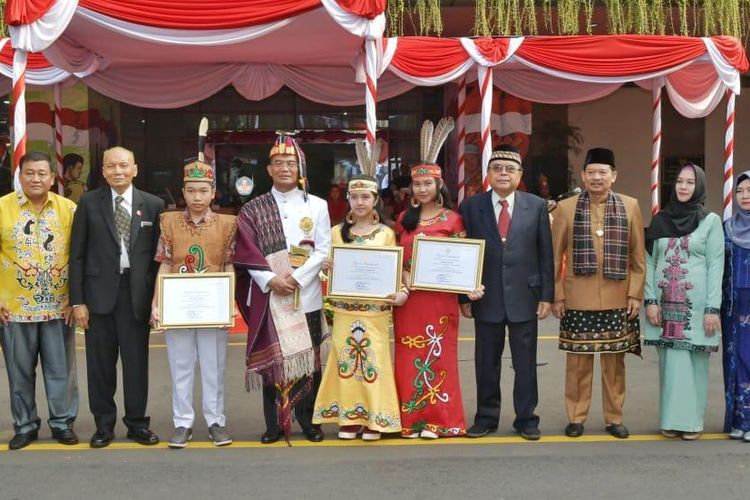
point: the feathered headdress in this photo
(431, 141)
(199, 170)
(368, 162)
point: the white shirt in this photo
(511, 199)
(127, 204)
(292, 208)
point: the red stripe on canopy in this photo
(426, 56)
(611, 55)
(18, 12)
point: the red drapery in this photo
(369, 9)
(426, 56)
(611, 56)
(600, 56)
(194, 14)
(34, 61)
(19, 12)
(201, 14)
(493, 49)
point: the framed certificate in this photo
(447, 264)
(194, 300)
(361, 272)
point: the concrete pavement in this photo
(500, 466)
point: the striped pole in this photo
(461, 127)
(485, 90)
(18, 98)
(57, 98)
(729, 155)
(655, 149)
(371, 89)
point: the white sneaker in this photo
(413, 435)
(428, 434)
(369, 435)
(747, 437)
(736, 434)
(349, 432)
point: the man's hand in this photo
(68, 316)
(466, 310)
(653, 314)
(543, 309)
(634, 306)
(712, 324)
(558, 309)
(283, 285)
(81, 316)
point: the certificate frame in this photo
(172, 289)
(338, 292)
(425, 246)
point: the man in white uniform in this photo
(283, 238)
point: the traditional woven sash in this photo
(615, 238)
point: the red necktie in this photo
(503, 221)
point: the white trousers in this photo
(209, 346)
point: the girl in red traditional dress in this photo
(426, 326)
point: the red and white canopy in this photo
(157, 53)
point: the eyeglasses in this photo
(290, 164)
(511, 169)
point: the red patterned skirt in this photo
(426, 364)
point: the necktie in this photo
(503, 221)
(122, 221)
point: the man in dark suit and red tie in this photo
(112, 275)
(519, 289)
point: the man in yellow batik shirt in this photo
(35, 229)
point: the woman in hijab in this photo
(735, 315)
(684, 264)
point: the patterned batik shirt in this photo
(34, 250)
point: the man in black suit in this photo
(112, 273)
(519, 286)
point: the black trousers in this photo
(303, 411)
(109, 335)
(488, 351)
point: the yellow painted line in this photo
(243, 344)
(388, 442)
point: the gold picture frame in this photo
(439, 264)
(371, 273)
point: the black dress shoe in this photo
(143, 435)
(618, 430)
(313, 434)
(530, 433)
(65, 436)
(270, 437)
(101, 438)
(22, 440)
(478, 430)
(574, 430)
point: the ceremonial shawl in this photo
(279, 349)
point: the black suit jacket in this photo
(516, 275)
(95, 252)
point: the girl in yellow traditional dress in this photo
(358, 391)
